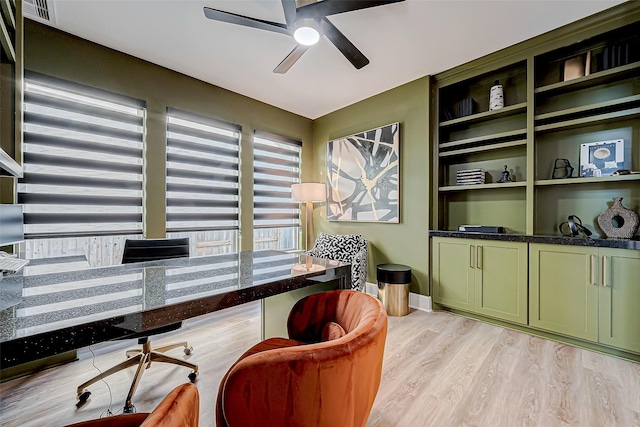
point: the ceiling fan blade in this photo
(291, 59)
(343, 44)
(232, 18)
(331, 7)
(289, 8)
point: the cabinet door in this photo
(619, 319)
(501, 280)
(563, 290)
(453, 267)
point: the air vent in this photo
(39, 10)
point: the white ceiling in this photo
(404, 41)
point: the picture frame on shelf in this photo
(603, 158)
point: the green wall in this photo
(62, 55)
(408, 241)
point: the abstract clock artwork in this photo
(363, 176)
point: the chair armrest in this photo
(359, 270)
(262, 346)
(181, 407)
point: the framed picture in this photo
(603, 158)
(363, 176)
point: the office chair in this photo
(140, 251)
(327, 372)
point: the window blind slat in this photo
(193, 160)
(72, 125)
(276, 172)
(195, 147)
(58, 199)
(81, 178)
(202, 173)
(80, 163)
(180, 173)
(74, 144)
(293, 164)
(65, 105)
(77, 218)
(200, 189)
(66, 181)
(257, 182)
(185, 131)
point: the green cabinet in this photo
(587, 293)
(481, 276)
(563, 295)
(453, 272)
(619, 298)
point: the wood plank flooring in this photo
(439, 370)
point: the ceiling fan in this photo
(306, 24)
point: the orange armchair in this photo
(326, 374)
(180, 408)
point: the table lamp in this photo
(308, 192)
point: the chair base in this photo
(143, 358)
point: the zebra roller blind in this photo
(276, 165)
(82, 160)
(202, 173)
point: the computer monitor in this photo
(11, 224)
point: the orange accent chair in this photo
(180, 408)
(327, 372)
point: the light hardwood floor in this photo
(439, 370)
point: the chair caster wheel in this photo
(84, 396)
(188, 350)
(192, 377)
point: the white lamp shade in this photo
(308, 192)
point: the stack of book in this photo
(470, 176)
(616, 55)
(466, 107)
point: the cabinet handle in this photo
(593, 265)
(471, 256)
(604, 271)
(479, 257)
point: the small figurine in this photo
(505, 176)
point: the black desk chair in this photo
(139, 251)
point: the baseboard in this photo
(420, 302)
(371, 289)
(416, 301)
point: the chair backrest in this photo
(340, 247)
(326, 383)
(139, 250)
(180, 408)
(351, 248)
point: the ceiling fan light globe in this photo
(306, 36)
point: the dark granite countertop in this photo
(64, 308)
(633, 244)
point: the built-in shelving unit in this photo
(551, 109)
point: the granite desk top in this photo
(632, 244)
(64, 308)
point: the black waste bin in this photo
(393, 288)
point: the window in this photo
(202, 182)
(276, 165)
(82, 185)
